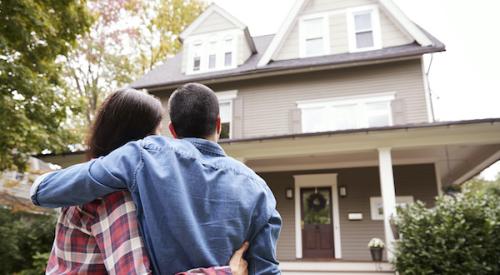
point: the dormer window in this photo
(212, 55)
(364, 29)
(197, 56)
(228, 52)
(314, 38)
(212, 52)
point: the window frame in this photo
(225, 97)
(375, 24)
(360, 102)
(205, 41)
(303, 37)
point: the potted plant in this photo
(376, 246)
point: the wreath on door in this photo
(316, 202)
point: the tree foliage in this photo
(33, 106)
(25, 242)
(460, 235)
(127, 39)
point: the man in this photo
(195, 205)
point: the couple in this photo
(193, 205)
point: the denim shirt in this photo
(195, 205)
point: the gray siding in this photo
(215, 22)
(269, 104)
(391, 34)
(418, 181)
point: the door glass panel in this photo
(316, 206)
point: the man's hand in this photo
(238, 265)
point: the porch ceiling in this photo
(459, 151)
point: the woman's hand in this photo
(237, 264)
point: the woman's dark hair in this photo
(124, 116)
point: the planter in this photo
(377, 253)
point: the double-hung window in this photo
(226, 112)
(212, 55)
(364, 25)
(314, 38)
(197, 48)
(346, 113)
(228, 52)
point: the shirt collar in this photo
(206, 146)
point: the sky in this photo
(465, 80)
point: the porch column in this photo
(388, 196)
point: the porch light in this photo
(342, 191)
(289, 193)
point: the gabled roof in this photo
(214, 8)
(169, 73)
(392, 9)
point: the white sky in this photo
(465, 79)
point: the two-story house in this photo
(334, 112)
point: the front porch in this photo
(364, 173)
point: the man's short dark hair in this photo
(193, 110)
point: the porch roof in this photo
(481, 137)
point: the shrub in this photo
(25, 241)
(460, 235)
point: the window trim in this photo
(228, 97)
(358, 100)
(303, 37)
(205, 40)
(376, 29)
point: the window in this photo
(364, 29)
(212, 55)
(346, 113)
(225, 119)
(228, 53)
(226, 112)
(314, 38)
(197, 57)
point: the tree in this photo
(25, 241)
(127, 39)
(33, 104)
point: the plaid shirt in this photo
(103, 237)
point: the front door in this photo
(317, 224)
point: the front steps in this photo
(335, 268)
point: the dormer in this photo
(333, 27)
(215, 41)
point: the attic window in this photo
(364, 29)
(314, 36)
(228, 52)
(196, 57)
(212, 55)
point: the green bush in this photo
(460, 235)
(25, 242)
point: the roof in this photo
(330, 133)
(261, 63)
(170, 74)
(214, 8)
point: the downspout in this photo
(429, 89)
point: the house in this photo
(15, 187)
(334, 112)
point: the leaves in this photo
(127, 39)
(33, 106)
(25, 241)
(460, 235)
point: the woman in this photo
(103, 236)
